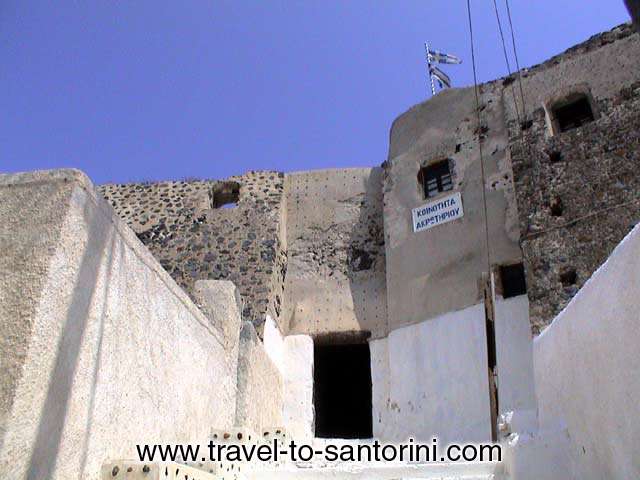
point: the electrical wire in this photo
(515, 54)
(482, 173)
(488, 293)
(506, 59)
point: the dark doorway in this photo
(342, 391)
(513, 280)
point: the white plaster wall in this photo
(220, 301)
(273, 343)
(543, 455)
(116, 354)
(380, 384)
(261, 378)
(587, 373)
(259, 400)
(437, 380)
(514, 352)
(298, 386)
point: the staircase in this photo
(131, 470)
(287, 469)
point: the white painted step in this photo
(378, 471)
(132, 470)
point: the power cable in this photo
(477, 98)
(515, 54)
(506, 59)
(488, 287)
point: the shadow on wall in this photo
(53, 415)
(366, 259)
(97, 362)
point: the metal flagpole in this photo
(426, 50)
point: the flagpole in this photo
(433, 86)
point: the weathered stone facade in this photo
(557, 201)
(334, 228)
(194, 237)
(101, 351)
(336, 272)
(578, 191)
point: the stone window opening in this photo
(513, 280)
(436, 178)
(573, 111)
(526, 125)
(225, 195)
(555, 156)
(568, 276)
(556, 207)
(342, 390)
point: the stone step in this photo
(381, 471)
(134, 470)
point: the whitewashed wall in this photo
(514, 352)
(259, 400)
(298, 406)
(273, 343)
(430, 379)
(115, 352)
(293, 357)
(587, 369)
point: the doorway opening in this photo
(513, 280)
(342, 390)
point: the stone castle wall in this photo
(195, 238)
(576, 208)
(336, 270)
(578, 192)
(436, 271)
(334, 230)
(576, 195)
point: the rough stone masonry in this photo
(576, 194)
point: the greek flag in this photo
(440, 57)
(442, 78)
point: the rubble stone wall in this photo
(578, 191)
(334, 227)
(195, 238)
(347, 232)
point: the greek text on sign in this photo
(436, 213)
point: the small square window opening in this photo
(513, 280)
(573, 114)
(225, 195)
(435, 178)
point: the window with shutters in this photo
(436, 178)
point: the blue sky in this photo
(150, 90)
